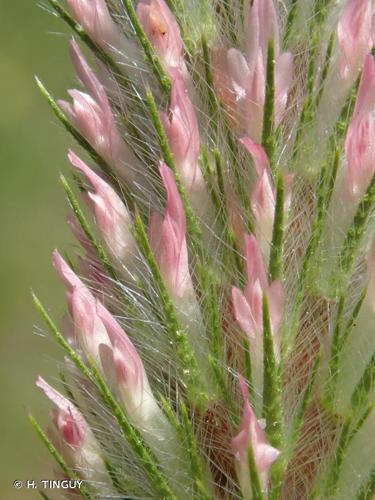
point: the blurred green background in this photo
(32, 151)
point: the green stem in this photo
(272, 383)
(268, 136)
(276, 257)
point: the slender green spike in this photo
(58, 458)
(268, 136)
(306, 399)
(224, 216)
(187, 439)
(248, 370)
(221, 381)
(149, 50)
(357, 229)
(367, 490)
(271, 383)
(276, 257)
(148, 461)
(190, 372)
(214, 106)
(335, 351)
(72, 130)
(360, 423)
(191, 219)
(290, 20)
(104, 57)
(86, 228)
(256, 488)
(364, 387)
(333, 473)
(197, 468)
(64, 120)
(77, 360)
(326, 65)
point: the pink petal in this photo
(65, 272)
(243, 313)
(255, 266)
(283, 80)
(258, 154)
(353, 31)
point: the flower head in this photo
(162, 29)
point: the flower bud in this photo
(248, 305)
(73, 436)
(353, 33)
(89, 330)
(252, 435)
(96, 20)
(163, 31)
(92, 115)
(168, 240)
(241, 79)
(360, 137)
(131, 379)
(181, 127)
(112, 217)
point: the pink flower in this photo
(92, 115)
(73, 437)
(247, 306)
(89, 329)
(360, 138)
(96, 20)
(252, 435)
(163, 31)
(263, 195)
(353, 32)
(263, 203)
(122, 364)
(258, 154)
(112, 218)
(168, 239)
(241, 80)
(181, 127)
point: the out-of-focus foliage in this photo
(32, 214)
